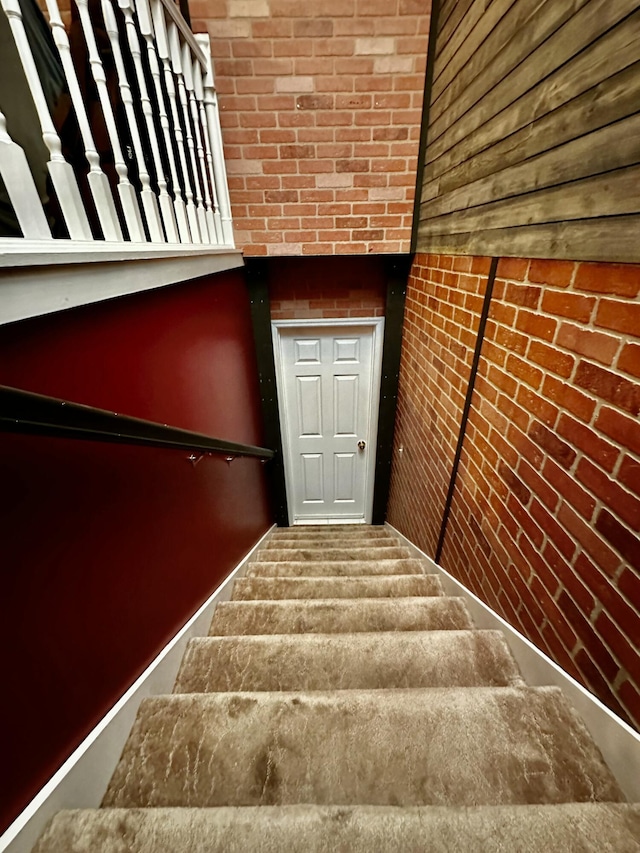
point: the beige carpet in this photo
(341, 702)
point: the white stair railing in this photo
(62, 175)
(157, 109)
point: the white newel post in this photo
(126, 190)
(21, 187)
(176, 61)
(165, 200)
(213, 122)
(98, 181)
(62, 175)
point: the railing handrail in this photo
(25, 413)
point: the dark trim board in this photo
(397, 272)
(257, 279)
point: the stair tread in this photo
(455, 746)
(253, 588)
(331, 542)
(340, 615)
(335, 568)
(345, 554)
(347, 661)
(588, 828)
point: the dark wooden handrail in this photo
(25, 413)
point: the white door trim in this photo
(377, 326)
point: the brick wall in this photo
(545, 518)
(302, 288)
(320, 106)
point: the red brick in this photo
(571, 305)
(629, 585)
(630, 696)
(629, 360)
(538, 484)
(593, 544)
(536, 325)
(585, 439)
(513, 268)
(629, 473)
(569, 398)
(595, 345)
(596, 682)
(550, 358)
(313, 28)
(620, 316)
(523, 294)
(609, 386)
(537, 405)
(618, 279)
(620, 537)
(557, 273)
(613, 497)
(314, 102)
(626, 653)
(570, 490)
(619, 427)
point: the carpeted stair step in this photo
(345, 554)
(332, 529)
(332, 542)
(456, 747)
(340, 615)
(392, 586)
(315, 535)
(575, 827)
(334, 568)
(348, 661)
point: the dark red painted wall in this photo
(107, 550)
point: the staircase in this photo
(342, 702)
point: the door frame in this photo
(377, 325)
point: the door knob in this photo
(362, 445)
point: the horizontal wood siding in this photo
(533, 143)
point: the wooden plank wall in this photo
(533, 141)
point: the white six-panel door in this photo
(328, 391)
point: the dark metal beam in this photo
(486, 305)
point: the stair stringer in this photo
(82, 780)
(618, 742)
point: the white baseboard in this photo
(82, 780)
(618, 742)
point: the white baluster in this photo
(62, 175)
(176, 61)
(147, 29)
(186, 215)
(98, 181)
(213, 122)
(149, 200)
(187, 67)
(126, 191)
(21, 187)
(199, 92)
(166, 203)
